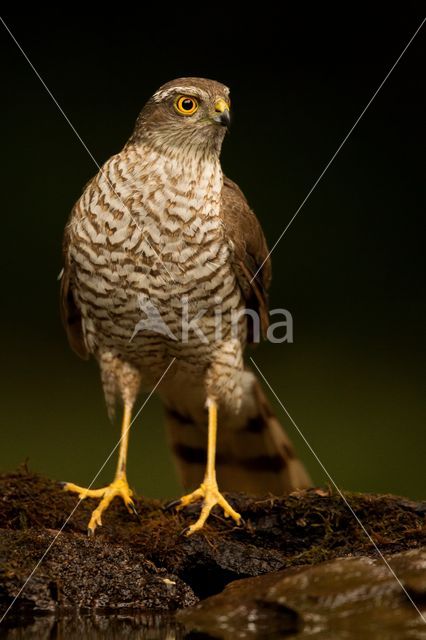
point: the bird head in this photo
(189, 113)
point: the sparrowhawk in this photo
(160, 254)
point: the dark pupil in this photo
(187, 104)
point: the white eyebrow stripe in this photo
(161, 95)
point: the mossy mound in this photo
(304, 528)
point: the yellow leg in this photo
(208, 491)
(119, 486)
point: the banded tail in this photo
(253, 455)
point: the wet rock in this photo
(241, 611)
(345, 598)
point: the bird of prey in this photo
(161, 254)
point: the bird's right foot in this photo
(210, 496)
(119, 487)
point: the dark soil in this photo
(146, 562)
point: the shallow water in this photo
(95, 626)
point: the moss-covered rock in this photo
(133, 562)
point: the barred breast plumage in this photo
(146, 228)
(161, 253)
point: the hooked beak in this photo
(222, 114)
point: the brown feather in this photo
(70, 313)
(243, 229)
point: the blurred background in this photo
(350, 269)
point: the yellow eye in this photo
(186, 106)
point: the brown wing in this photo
(70, 313)
(242, 228)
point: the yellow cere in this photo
(221, 106)
(186, 105)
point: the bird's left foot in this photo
(119, 487)
(209, 492)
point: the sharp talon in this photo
(132, 509)
(171, 505)
(62, 484)
(184, 532)
(90, 533)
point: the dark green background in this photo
(350, 269)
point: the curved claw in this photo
(132, 509)
(171, 505)
(95, 521)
